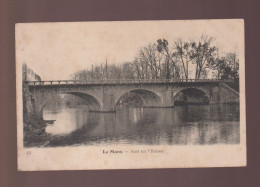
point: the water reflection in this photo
(67, 120)
(193, 124)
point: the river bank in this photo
(34, 132)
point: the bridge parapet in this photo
(123, 81)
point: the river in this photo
(181, 125)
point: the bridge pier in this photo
(108, 102)
(167, 99)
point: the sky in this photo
(56, 50)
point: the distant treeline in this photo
(161, 60)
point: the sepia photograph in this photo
(130, 94)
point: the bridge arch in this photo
(148, 97)
(191, 95)
(93, 102)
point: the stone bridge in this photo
(104, 95)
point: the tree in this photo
(203, 54)
(152, 60)
(227, 66)
(233, 62)
(183, 54)
(162, 47)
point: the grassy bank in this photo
(34, 132)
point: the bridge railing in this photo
(122, 81)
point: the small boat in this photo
(49, 121)
(97, 111)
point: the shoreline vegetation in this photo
(34, 131)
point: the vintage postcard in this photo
(130, 94)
